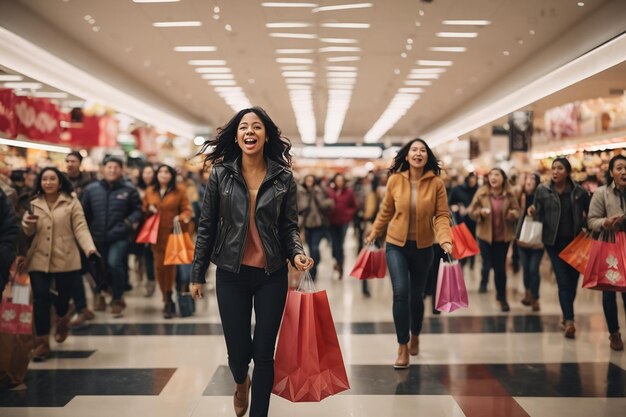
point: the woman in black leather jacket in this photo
(249, 228)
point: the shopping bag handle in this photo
(306, 283)
(178, 230)
(450, 258)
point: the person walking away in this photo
(340, 217)
(248, 227)
(562, 206)
(415, 212)
(607, 211)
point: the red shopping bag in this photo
(149, 230)
(606, 269)
(620, 239)
(179, 249)
(463, 243)
(451, 292)
(15, 318)
(371, 263)
(577, 252)
(308, 366)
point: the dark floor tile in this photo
(150, 329)
(71, 354)
(55, 388)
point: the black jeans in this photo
(409, 268)
(314, 236)
(566, 277)
(531, 259)
(40, 283)
(338, 237)
(609, 305)
(237, 294)
(494, 256)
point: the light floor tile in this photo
(573, 407)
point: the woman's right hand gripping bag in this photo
(308, 366)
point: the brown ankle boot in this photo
(536, 306)
(616, 341)
(414, 345)
(570, 330)
(41, 351)
(528, 299)
(402, 361)
(241, 397)
(62, 327)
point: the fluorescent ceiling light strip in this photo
(293, 35)
(467, 22)
(200, 48)
(343, 58)
(339, 49)
(218, 76)
(433, 63)
(217, 62)
(339, 68)
(303, 74)
(342, 74)
(447, 48)
(294, 51)
(298, 87)
(428, 70)
(342, 7)
(287, 25)
(416, 90)
(336, 114)
(338, 40)
(191, 23)
(299, 80)
(33, 145)
(283, 4)
(50, 94)
(295, 68)
(423, 76)
(26, 85)
(9, 77)
(155, 1)
(213, 70)
(397, 108)
(346, 25)
(223, 82)
(294, 60)
(418, 82)
(338, 152)
(457, 34)
(593, 62)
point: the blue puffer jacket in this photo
(113, 211)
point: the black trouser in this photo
(566, 277)
(494, 256)
(40, 282)
(609, 305)
(237, 294)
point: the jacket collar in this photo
(273, 168)
(40, 201)
(428, 174)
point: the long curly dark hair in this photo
(400, 163)
(224, 146)
(65, 185)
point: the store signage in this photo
(38, 119)
(520, 131)
(8, 122)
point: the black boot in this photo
(169, 308)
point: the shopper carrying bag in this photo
(415, 213)
(248, 227)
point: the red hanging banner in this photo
(38, 119)
(8, 122)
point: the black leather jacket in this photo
(224, 219)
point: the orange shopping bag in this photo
(149, 230)
(179, 249)
(308, 364)
(577, 252)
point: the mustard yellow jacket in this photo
(433, 215)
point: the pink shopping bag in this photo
(451, 292)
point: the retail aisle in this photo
(476, 362)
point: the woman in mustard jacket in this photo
(169, 200)
(57, 225)
(495, 210)
(415, 212)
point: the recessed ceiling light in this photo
(343, 58)
(228, 28)
(467, 22)
(432, 63)
(155, 1)
(448, 48)
(338, 40)
(216, 17)
(190, 23)
(213, 70)
(531, 32)
(288, 25)
(339, 49)
(457, 34)
(223, 82)
(218, 76)
(282, 4)
(580, 3)
(346, 25)
(342, 7)
(195, 48)
(421, 12)
(8, 77)
(409, 41)
(294, 35)
(26, 85)
(396, 71)
(506, 53)
(206, 62)
(403, 55)
(294, 51)
(294, 60)
(96, 28)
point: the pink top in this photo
(253, 254)
(497, 217)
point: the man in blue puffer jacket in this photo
(113, 211)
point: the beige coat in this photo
(484, 224)
(54, 247)
(604, 203)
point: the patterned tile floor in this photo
(475, 362)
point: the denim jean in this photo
(237, 295)
(313, 238)
(566, 277)
(609, 305)
(531, 259)
(40, 283)
(114, 254)
(338, 236)
(409, 268)
(494, 256)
